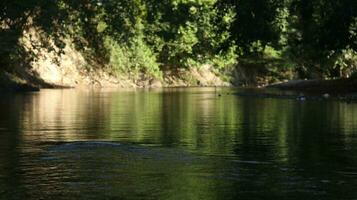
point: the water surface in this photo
(202, 143)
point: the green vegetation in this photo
(282, 38)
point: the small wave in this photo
(253, 162)
(99, 149)
(85, 145)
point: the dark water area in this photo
(175, 144)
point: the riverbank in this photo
(52, 76)
(335, 87)
(9, 82)
(338, 89)
(71, 67)
(43, 64)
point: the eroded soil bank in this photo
(71, 68)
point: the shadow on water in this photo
(94, 150)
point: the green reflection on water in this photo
(175, 144)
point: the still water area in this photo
(198, 143)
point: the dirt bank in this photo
(53, 76)
(70, 68)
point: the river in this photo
(198, 143)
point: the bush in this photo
(346, 63)
(136, 57)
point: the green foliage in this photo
(345, 64)
(119, 60)
(135, 58)
(188, 33)
(257, 24)
(320, 30)
(316, 36)
(227, 59)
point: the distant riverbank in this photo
(53, 77)
(338, 89)
(337, 86)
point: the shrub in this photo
(136, 57)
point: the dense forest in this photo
(310, 38)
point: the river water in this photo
(202, 143)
